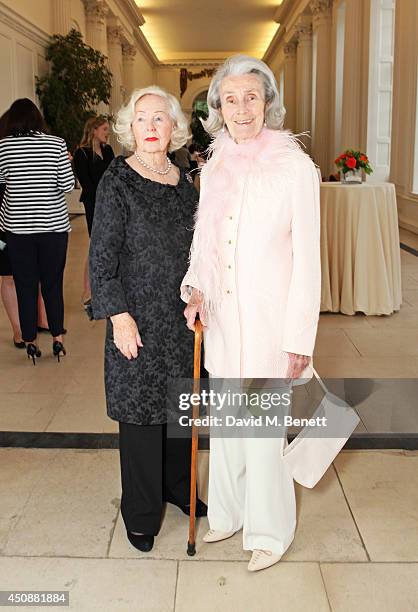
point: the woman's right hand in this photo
(195, 306)
(126, 335)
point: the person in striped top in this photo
(36, 171)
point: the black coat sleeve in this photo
(81, 167)
(107, 240)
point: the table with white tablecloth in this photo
(360, 252)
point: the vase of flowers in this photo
(352, 166)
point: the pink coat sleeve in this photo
(304, 298)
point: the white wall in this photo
(169, 79)
(25, 27)
(21, 59)
(36, 12)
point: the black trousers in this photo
(89, 210)
(154, 469)
(39, 258)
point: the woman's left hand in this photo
(297, 363)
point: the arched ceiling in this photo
(204, 30)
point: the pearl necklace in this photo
(162, 172)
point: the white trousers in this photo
(250, 488)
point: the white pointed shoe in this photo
(261, 559)
(216, 536)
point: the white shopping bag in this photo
(313, 450)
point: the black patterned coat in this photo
(139, 250)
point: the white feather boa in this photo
(223, 179)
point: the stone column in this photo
(114, 43)
(96, 35)
(61, 16)
(128, 61)
(352, 106)
(321, 104)
(304, 80)
(290, 85)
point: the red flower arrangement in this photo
(352, 160)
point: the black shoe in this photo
(88, 309)
(19, 345)
(201, 509)
(33, 351)
(57, 349)
(143, 542)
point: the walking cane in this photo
(191, 545)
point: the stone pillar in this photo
(61, 16)
(128, 61)
(114, 43)
(321, 103)
(96, 35)
(352, 106)
(304, 80)
(290, 85)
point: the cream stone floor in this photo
(356, 544)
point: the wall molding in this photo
(18, 23)
(146, 48)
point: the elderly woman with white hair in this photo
(254, 278)
(138, 255)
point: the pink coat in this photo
(256, 255)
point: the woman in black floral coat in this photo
(138, 256)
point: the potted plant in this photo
(352, 165)
(200, 137)
(78, 80)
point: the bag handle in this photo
(318, 378)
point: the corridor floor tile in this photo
(371, 587)
(81, 414)
(367, 367)
(28, 411)
(21, 471)
(335, 343)
(102, 585)
(228, 587)
(387, 342)
(71, 506)
(382, 491)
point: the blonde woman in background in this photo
(91, 158)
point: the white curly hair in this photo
(123, 123)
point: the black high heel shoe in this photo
(57, 349)
(143, 542)
(201, 509)
(33, 352)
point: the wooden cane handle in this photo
(197, 348)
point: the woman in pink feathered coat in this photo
(254, 279)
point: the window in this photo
(381, 51)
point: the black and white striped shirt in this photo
(37, 172)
